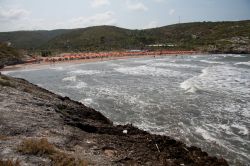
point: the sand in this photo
(44, 64)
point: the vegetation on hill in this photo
(9, 55)
(29, 40)
(91, 38)
(207, 36)
(202, 36)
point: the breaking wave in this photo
(243, 63)
(189, 86)
(72, 79)
(84, 72)
(172, 65)
(211, 62)
(146, 70)
(218, 78)
(78, 85)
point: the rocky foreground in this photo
(38, 127)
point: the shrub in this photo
(9, 163)
(5, 81)
(63, 159)
(36, 147)
(43, 148)
(4, 77)
(46, 53)
(3, 138)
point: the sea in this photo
(202, 100)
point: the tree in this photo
(45, 53)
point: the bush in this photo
(63, 159)
(9, 163)
(5, 82)
(36, 147)
(43, 148)
(45, 53)
(3, 138)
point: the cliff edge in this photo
(38, 127)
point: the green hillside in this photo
(29, 39)
(9, 55)
(91, 38)
(203, 36)
(221, 36)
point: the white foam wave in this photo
(114, 65)
(206, 135)
(87, 101)
(204, 72)
(189, 86)
(194, 84)
(225, 128)
(72, 79)
(26, 69)
(147, 125)
(159, 64)
(144, 61)
(84, 72)
(242, 129)
(243, 63)
(172, 65)
(108, 91)
(146, 70)
(58, 68)
(79, 85)
(236, 56)
(214, 58)
(211, 62)
(246, 113)
(223, 78)
(196, 56)
(7, 72)
(220, 128)
(120, 96)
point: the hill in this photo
(207, 36)
(226, 37)
(29, 39)
(92, 39)
(9, 55)
(204, 36)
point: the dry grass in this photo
(9, 163)
(5, 81)
(3, 138)
(4, 77)
(63, 159)
(36, 147)
(43, 148)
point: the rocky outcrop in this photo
(234, 45)
(9, 55)
(28, 111)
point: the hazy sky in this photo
(133, 14)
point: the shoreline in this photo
(43, 64)
(81, 133)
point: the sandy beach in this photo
(44, 64)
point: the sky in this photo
(132, 14)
